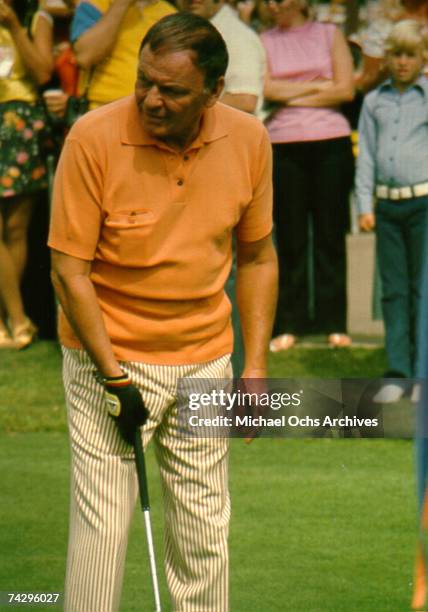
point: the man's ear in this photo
(215, 93)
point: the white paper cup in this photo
(52, 93)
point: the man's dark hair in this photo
(185, 31)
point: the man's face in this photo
(405, 66)
(203, 8)
(171, 96)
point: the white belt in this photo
(402, 193)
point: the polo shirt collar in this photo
(133, 133)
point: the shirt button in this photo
(180, 182)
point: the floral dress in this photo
(23, 124)
(22, 133)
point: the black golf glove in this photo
(125, 405)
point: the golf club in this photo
(145, 506)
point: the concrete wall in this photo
(361, 255)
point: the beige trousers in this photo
(104, 492)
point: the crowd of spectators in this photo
(286, 66)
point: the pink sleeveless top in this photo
(301, 54)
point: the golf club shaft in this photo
(145, 505)
(152, 560)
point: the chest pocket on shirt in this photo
(128, 236)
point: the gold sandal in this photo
(23, 335)
(6, 341)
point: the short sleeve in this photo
(256, 222)
(77, 203)
(85, 16)
(247, 64)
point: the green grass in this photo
(328, 526)
(31, 393)
(32, 397)
(328, 363)
(317, 525)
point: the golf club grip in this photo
(141, 471)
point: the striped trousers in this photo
(104, 490)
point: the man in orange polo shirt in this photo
(148, 193)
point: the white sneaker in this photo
(389, 394)
(416, 393)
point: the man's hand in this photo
(125, 405)
(253, 383)
(366, 222)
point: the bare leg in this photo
(3, 315)
(16, 231)
(14, 221)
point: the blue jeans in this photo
(400, 229)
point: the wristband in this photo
(112, 381)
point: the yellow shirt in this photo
(115, 76)
(18, 85)
(157, 226)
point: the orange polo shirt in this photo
(157, 226)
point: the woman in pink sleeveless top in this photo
(310, 74)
